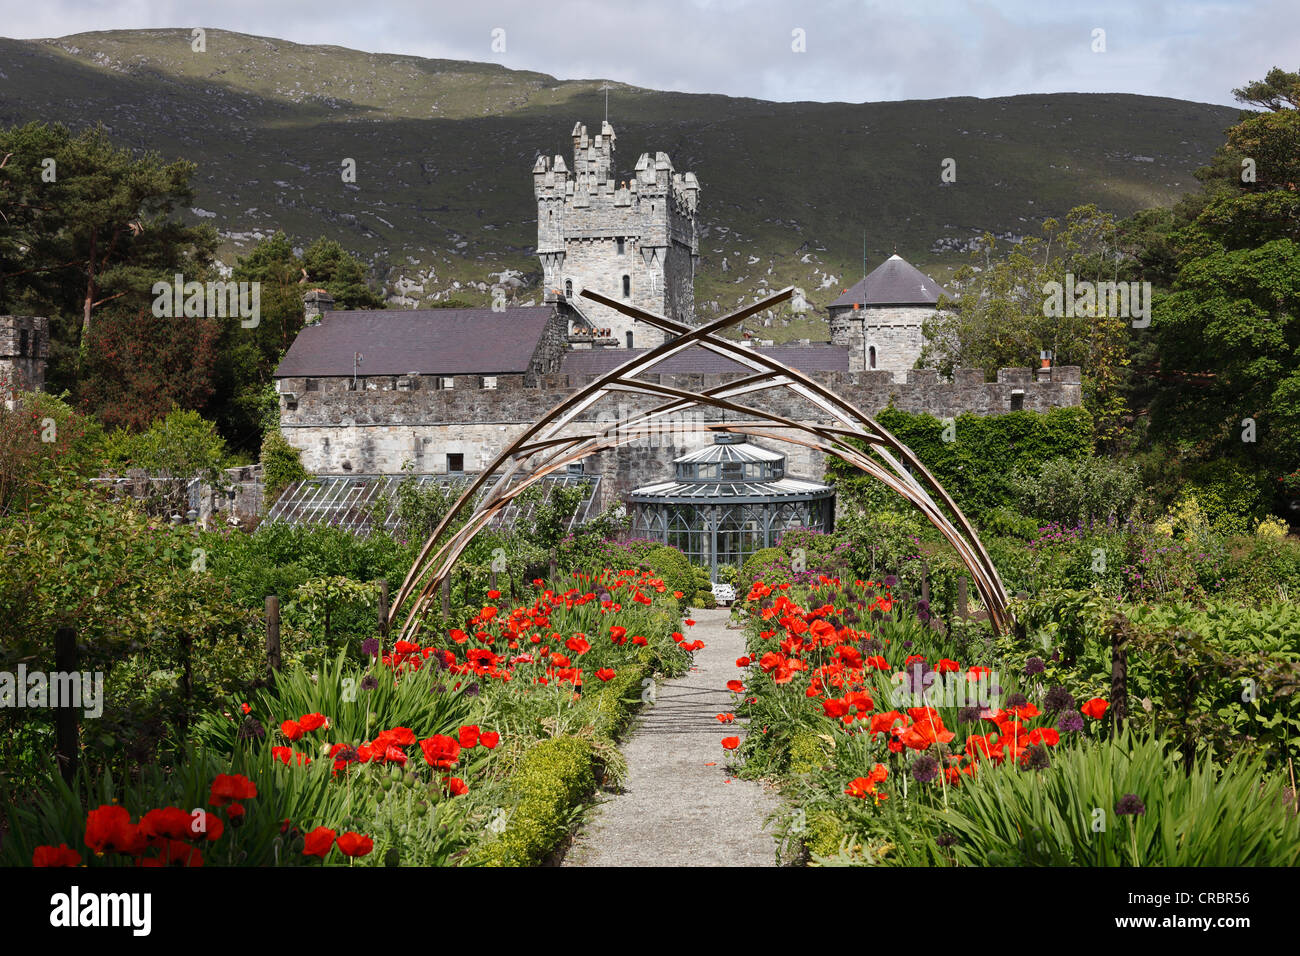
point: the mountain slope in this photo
(442, 205)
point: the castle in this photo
(24, 349)
(633, 239)
(443, 391)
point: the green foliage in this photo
(673, 568)
(281, 464)
(704, 599)
(976, 467)
(1066, 490)
(555, 777)
(1066, 815)
(29, 462)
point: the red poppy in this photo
(735, 686)
(310, 722)
(578, 644)
(616, 632)
(605, 674)
(493, 595)
(1095, 708)
(291, 729)
(489, 739)
(228, 787)
(439, 751)
(245, 708)
(318, 842)
(639, 641)
(109, 828)
(167, 823)
(61, 855)
(174, 853)
(725, 718)
(730, 743)
(468, 736)
(355, 844)
(456, 786)
(688, 622)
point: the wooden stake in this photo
(273, 632)
(67, 746)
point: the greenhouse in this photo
(728, 500)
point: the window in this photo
(1017, 400)
(489, 382)
(575, 468)
(871, 357)
(311, 385)
(446, 382)
(455, 464)
(621, 248)
(629, 340)
(627, 287)
(22, 342)
(731, 471)
(568, 288)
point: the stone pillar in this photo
(315, 303)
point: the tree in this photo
(86, 223)
(138, 366)
(1001, 319)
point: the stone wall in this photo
(895, 331)
(379, 427)
(24, 350)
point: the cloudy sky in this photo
(853, 50)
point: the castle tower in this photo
(879, 319)
(633, 240)
(24, 350)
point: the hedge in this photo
(976, 467)
(554, 776)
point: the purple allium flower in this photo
(472, 690)
(1129, 805)
(1071, 722)
(251, 729)
(1033, 666)
(347, 754)
(968, 715)
(1016, 700)
(890, 580)
(945, 839)
(907, 643)
(1035, 758)
(1057, 699)
(370, 646)
(369, 682)
(925, 769)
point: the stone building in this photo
(24, 349)
(443, 391)
(879, 319)
(632, 239)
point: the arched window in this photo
(568, 288)
(629, 340)
(620, 246)
(871, 357)
(627, 287)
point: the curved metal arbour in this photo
(556, 441)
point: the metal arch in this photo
(898, 468)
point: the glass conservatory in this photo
(728, 500)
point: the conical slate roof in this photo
(894, 282)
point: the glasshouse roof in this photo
(358, 503)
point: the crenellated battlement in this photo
(634, 238)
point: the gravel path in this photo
(680, 807)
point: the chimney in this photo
(315, 304)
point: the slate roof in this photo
(894, 282)
(427, 341)
(698, 361)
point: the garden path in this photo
(680, 806)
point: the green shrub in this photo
(554, 778)
(281, 465)
(1078, 490)
(673, 568)
(704, 599)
